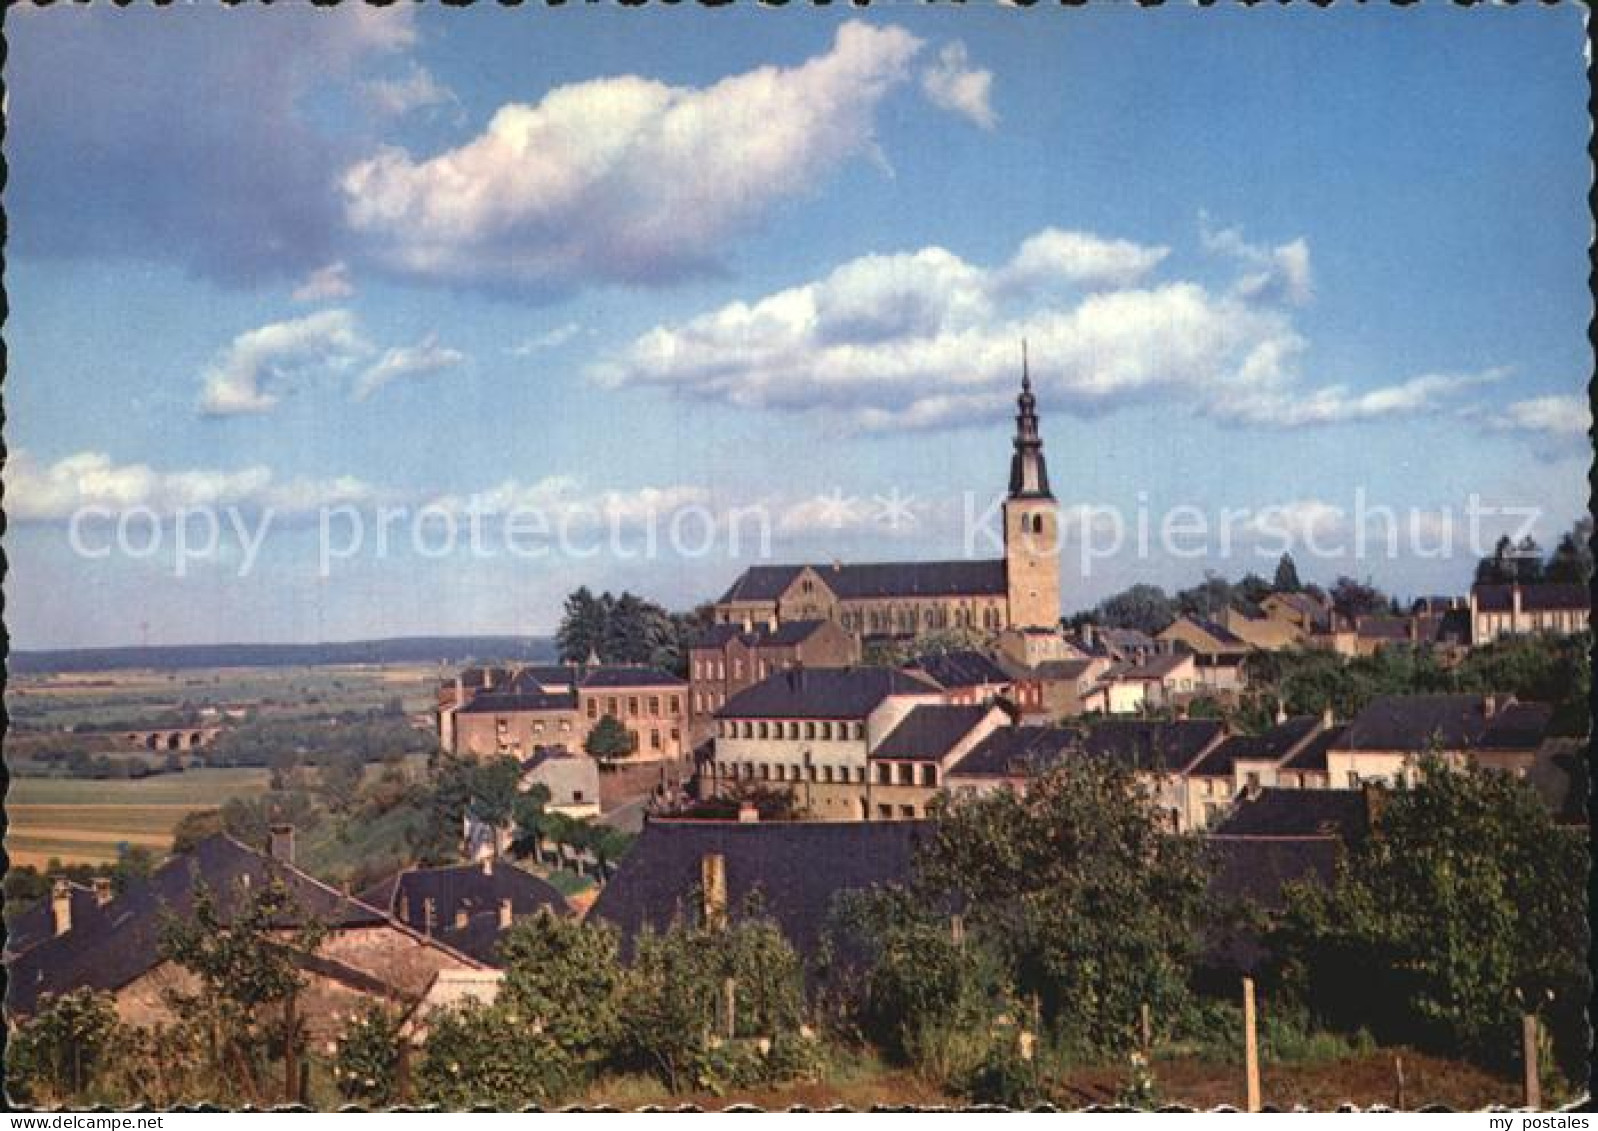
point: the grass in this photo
(75, 820)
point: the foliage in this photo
(609, 739)
(1510, 562)
(562, 975)
(1572, 559)
(194, 827)
(772, 803)
(1286, 577)
(366, 1058)
(1145, 608)
(487, 790)
(1354, 598)
(1092, 907)
(627, 630)
(350, 736)
(1465, 910)
(59, 1053)
(245, 961)
(491, 1057)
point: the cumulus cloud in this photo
(398, 362)
(952, 83)
(624, 179)
(38, 492)
(251, 375)
(929, 340)
(1276, 274)
(326, 284)
(416, 89)
(1555, 417)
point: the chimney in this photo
(749, 622)
(280, 844)
(462, 918)
(61, 906)
(1086, 632)
(771, 621)
(1328, 720)
(1375, 801)
(102, 890)
(748, 814)
(1281, 711)
(1489, 706)
(713, 888)
(504, 913)
(488, 865)
(429, 916)
(460, 691)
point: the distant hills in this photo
(405, 650)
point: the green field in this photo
(77, 820)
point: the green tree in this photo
(1145, 608)
(366, 1058)
(582, 626)
(1465, 909)
(1572, 559)
(58, 1055)
(1286, 578)
(1354, 598)
(609, 739)
(246, 968)
(490, 1056)
(1094, 908)
(562, 975)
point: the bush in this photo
(492, 1057)
(366, 1058)
(57, 1056)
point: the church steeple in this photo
(1029, 475)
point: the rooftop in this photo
(965, 668)
(1015, 751)
(1341, 813)
(876, 579)
(1145, 744)
(822, 693)
(463, 888)
(929, 732)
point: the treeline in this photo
(1036, 934)
(404, 650)
(627, 629)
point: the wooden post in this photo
(1251, 1048)
(1528, 1041)
(1398, 1083)
(402, 1070)
(1146, 1026)
(291, 1068)
(957, 929)
(729, 1004)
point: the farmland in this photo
(77, 820)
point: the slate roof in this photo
(796, 866)
(618, 676)
(1015, 751)
(966, 668)
(539, 676)
(822, 693)
(1156, 667)
(27, 929)
(508, 702)
(760, 635)
(1517, 726)
(1144, 744)
(1258, 868)
(1457, 722)
(466, 888)
(1341, 813)
(1382, 628)
(1270, 746)
(108, 951)
(877, 579)
(1218, 632)
(1539, 597)
(929, 731)
(1312, 756)
(1063, 670)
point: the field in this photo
(76, 820)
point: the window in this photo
(593, 708)
(654, 704)
(611, 706)
(765, 772)
(929, 774)
(1353, 780)
(565, 726)
(906, 773)
(885, 812)
(883, 773)
(737, 669)
(810, 730)
(538, 728)
(577, 795)
(676, 735)
(654, 740)
(907, 811)
(764, 731)
(859, 731)
(632, 706)
(826, 774)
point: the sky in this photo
(633, 273)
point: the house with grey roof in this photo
(1543, 608)
(467, 906)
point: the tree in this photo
(1092, 906)
(194, 827)
(1286, 579)
(340, 781)
(562, 975)
(1353, 598)
(246, 967)
(1572, 559)
(490, 1056)
(1145, 608)
(1209, 599)
(609, 740)
(582, 626)
(366, 1058)
(57, 1055)
(1463, 910)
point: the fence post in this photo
(957, 929)
(1146, 1021)
(1528, 1041)
(402, 1070)
(730, 1006)
(1251, 1048)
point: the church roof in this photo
(963, 578)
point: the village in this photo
(853, 758)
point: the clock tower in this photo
(1031, 522)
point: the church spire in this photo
(1029, 476)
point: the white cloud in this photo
(564, 499)
(53, 492)
(417, 89)
(326, 284)
(929, 340)
(426, 357)
(1558, 417)
(252, 373)
(548, 340)
(1275, 274)
(952, 83)
(625, 179)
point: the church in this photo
(908, 599)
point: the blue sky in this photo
(614, 260)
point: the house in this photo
(1167, 679)
(1218, 653)
(1305, 612)
(909, 766)
(466, 907)
(1029, 646)
(513, 713)
(571, 779)
(909, 599)
(1543, 608)
(1159, 754)
(1119, 645)
(1243, 764)
(1008, 757)
(813, 732)
(966, 676)
(1068, 688)
(794, 869)
(365, 956)
(727, 658)
(1306, 767)
(68, 903)
(1386, 740)
(1254, 872)
(1345, 814)
(1265, 632)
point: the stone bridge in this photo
(170, 738)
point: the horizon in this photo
(1261, 293)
